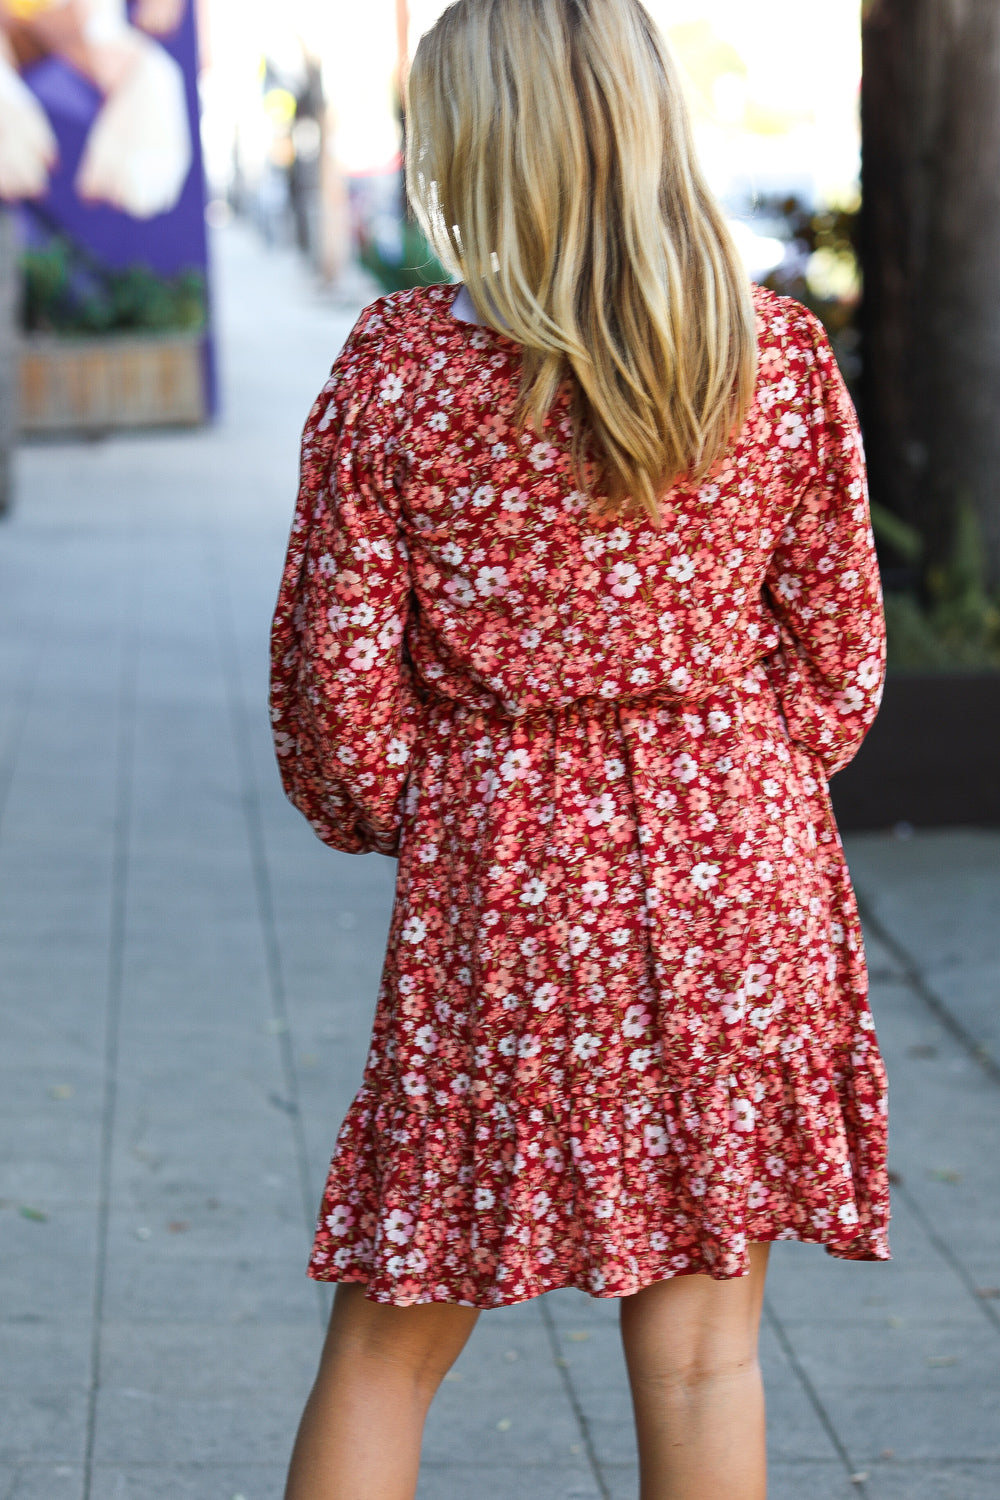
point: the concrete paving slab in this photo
(202, 1360)
(47, 1265)
(243, 1480)
(893, 1481)
(46, 1481)
(43, 1422)
(504, 1480)
(139, 1426)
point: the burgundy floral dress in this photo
(623, 1026)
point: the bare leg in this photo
(360, 1434)
(691, 1350)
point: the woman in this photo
(580, 612)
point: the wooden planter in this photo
(95, 385)
(932, 757)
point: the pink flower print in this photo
(397, 1226)
(362, 654)
(490, 581)
(624, 579)
(637, 1018)
(339, 1220)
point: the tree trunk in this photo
(931, 252)
(8, 354)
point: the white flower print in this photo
(392, 388)
(685, 767)
(681, 570)
(704, 876)
(515, 763)
(624, 579)
(594, 892)
(586, 1046)
(397, 1226)
(339, 1220)
(362, 655)
(655, 1140)
(869, 674)
(490, 581)
(792, 430)
(636, 1019)
(601, 810)
(545, 997)
(534, 892)
(414, 930)
(397, 752)
(744, 1116)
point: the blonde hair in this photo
(551, 163)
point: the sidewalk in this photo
(186, 985)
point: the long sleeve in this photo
(343, 706)
(823, 582)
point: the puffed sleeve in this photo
(823, 580)
(343, 705)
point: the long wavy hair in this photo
(551, 163)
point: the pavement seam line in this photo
(250, 800)
(574, 1401)
(813, 1396)
(121, 840)
(24, 698)
(914, 978)
(984, 1304)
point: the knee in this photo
(685, 1372)
(412, 1347)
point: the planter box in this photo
(932, 757)
(95, 385)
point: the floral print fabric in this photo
(623, 1027)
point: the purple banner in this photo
(99, 134)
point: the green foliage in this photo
(824, 275)
(64, 290)
(419, 265)
(957, 626)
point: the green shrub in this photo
(66, 290)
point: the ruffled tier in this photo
(488, 1206)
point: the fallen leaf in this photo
(580, 1337)
(511, 1355)
(61, 1091)
(888, 1453)
(859, 1478)
(504, 1424)
(894, 1322)
(454, 1375)
(36, 1215)
(178, 1226)
(938, 1361)
(945, 1174)
(143, 1233)
(988, 1291)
